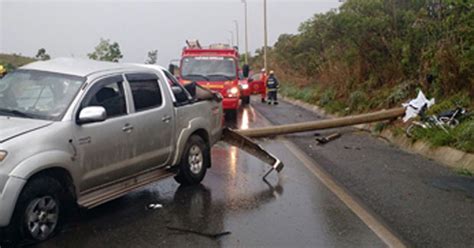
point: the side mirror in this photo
(246, 70)
(180, 94)
(176, 90)
(92, 114)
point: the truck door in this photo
(257, 85)
(103, 147)
(154, 123)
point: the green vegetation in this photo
(152, 57)
(465, 172)
(106, 51)
(374, 54)
(13, 61)
(42, 55)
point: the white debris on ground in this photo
(414, 106)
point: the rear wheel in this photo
(195, 160)
(411, 130)
(39, 212)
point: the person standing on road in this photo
(272, 88)
(264, 88)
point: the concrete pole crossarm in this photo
(323, 124)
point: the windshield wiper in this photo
(222, 75)
(197, 75)
(15, 113)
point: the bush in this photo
(465, 136)
(358, 101)
(401, 93)
(327, 97)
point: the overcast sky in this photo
(73, 28)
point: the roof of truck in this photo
(77, 67)
(212, 52)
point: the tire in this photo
(448, 122)
(194, 162)
(409, 131)
(246, 100)
(39, 213)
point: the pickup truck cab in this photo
(79, 132)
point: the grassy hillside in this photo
(374, 54)
(12, 61)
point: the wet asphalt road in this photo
(294, 210)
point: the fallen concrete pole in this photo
(323, 124)
(233, 138)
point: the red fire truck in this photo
(217, 68)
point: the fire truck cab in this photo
(216, 68)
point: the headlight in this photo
(3, 155)
(245, 86)
(232, 92)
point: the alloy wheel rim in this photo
(42, 217)
(195, 159)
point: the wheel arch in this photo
(56, 164)
(195, 127)
(60, 174)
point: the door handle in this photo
(166, 119)
(127, 128)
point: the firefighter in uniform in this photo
(272, 88)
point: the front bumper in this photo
(8, 197)
(246, 92)
(231, 103)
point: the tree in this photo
(152, 57)
(106, 51)
(42, 55)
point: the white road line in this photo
(375, 223)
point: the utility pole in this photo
(265, 35)
(246, 34)
(237, 33)
(232, 37)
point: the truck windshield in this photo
(208, 69)
(37, 94)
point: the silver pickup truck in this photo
(79, 132)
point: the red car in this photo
(257, 84)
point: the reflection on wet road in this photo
(294, 210)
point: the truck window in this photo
(108, 93)
(145, 90)
(208, 68)
(257, 77)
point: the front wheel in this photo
(39, 212)
(195, 160)
(410, 130)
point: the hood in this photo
(11, 127)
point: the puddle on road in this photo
(456, 183)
